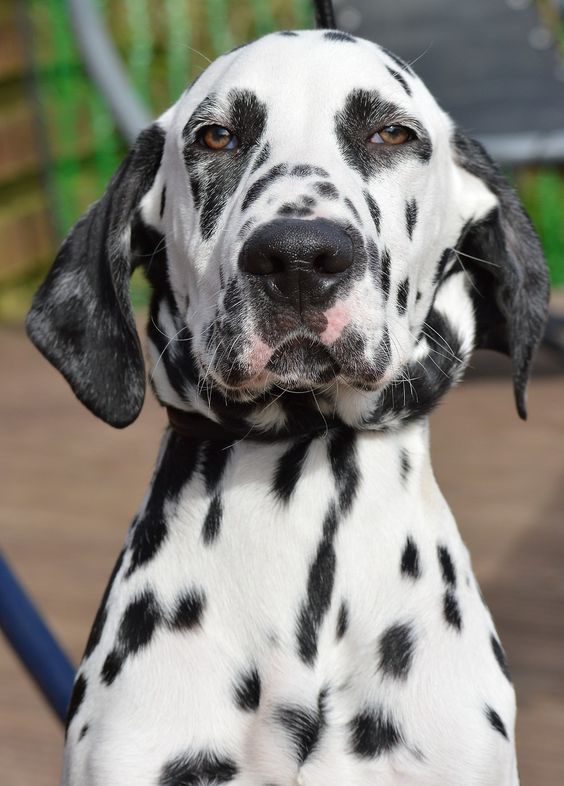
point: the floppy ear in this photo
(510, 273)
(81, 318)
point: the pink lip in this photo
(259, 355)
(337, 319)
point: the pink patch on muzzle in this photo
(259, 355)
(337, 319)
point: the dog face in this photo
(308, 216)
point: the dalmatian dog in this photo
(293, 603)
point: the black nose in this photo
(298, 261)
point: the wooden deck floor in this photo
(69, 485)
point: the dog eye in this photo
(217, 138)
(392, 135)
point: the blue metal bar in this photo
(33, 642)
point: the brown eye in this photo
(217, 138)
(392, 135)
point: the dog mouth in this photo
(302, 360)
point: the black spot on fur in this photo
(294, 209)
(288, 33)
(247, 690)
(137, 626)
(451, 610)
(397, 60)
(319, 590)
(373, 260)
(163, 202)
(289, 469)
(373, 733)
(352, 208)
(214, 461)
(500, 656)
(262, 157)
(173, 473)
(83, 732)
(385, 264)
(418, 296)
(101, 614)
(204, 768)
(188, 610)
(342, 620)
(405, 464)
(262, 183)
(318, 171)
(410, 563)
(76, 699)
(302, 170)
(447, 567)
(399, 78)
(410, 216)
(342, 455)
(304, 726)
(374, 210)
(445, 256)
(212, 522)
(396, 651)
(495, 721)
(339, 35)
(403, 294)
(326, 190)
(363, 111)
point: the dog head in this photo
(310, 220)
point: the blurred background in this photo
(69, 484)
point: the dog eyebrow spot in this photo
(399, 78)
(288, 33)
(339, 35)
(261, 184)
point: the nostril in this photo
(332, 262)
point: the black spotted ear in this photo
(81, 318)
(504, 254)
